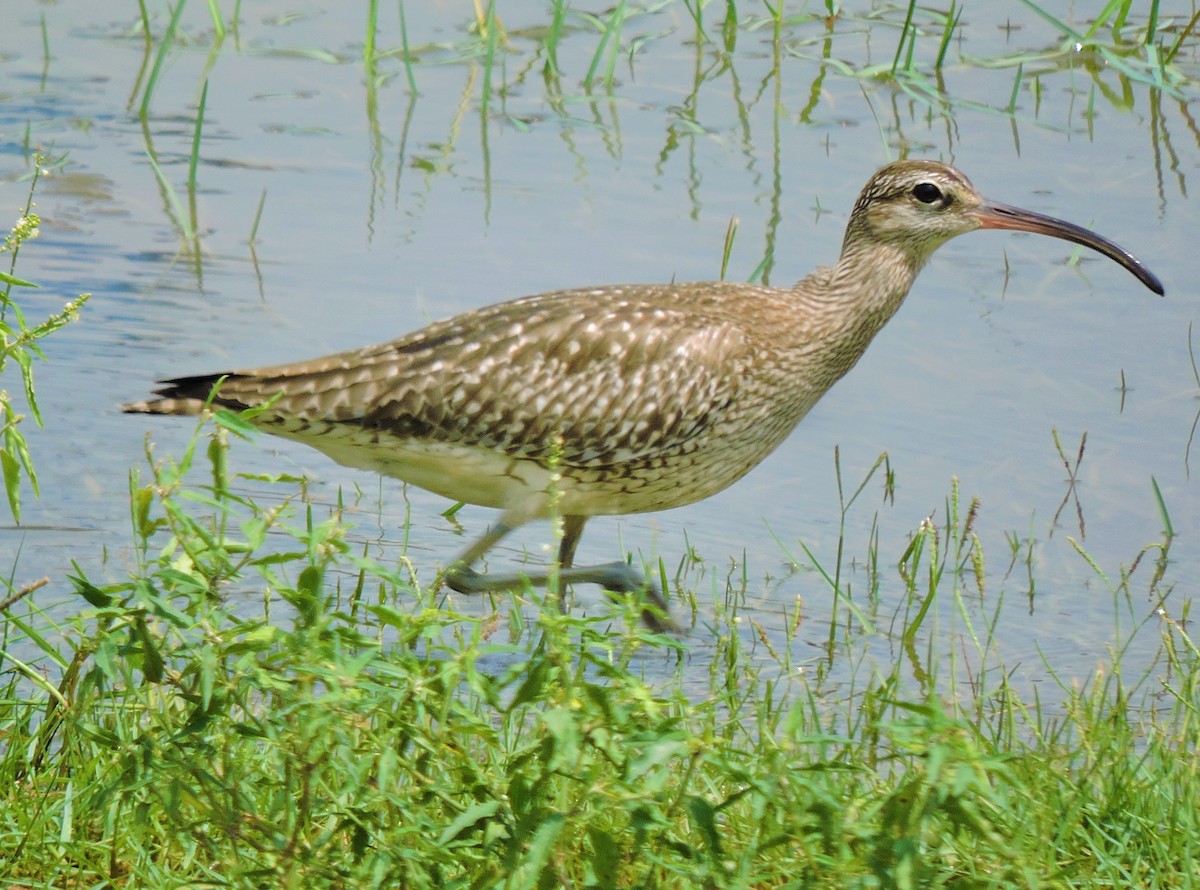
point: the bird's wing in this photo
(589, 382)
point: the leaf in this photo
(563, 727)
(467, 819)
(530, 871)
(531, 688)
(15, 281)
(89, 591)
(152, 662)
(704, 816)
(658, 754)
(12, 483)
(235, 423)
(606, 857)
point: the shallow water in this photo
(386, 209)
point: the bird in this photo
(618, 399)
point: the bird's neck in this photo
(857, 298)
(872, 280)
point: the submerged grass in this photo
(588, 58)
(369, 735)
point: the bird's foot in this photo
(464, 579)
(613, 577)
(622, 578)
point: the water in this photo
(385, 210)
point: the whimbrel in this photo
(613, 400)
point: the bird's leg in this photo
(461, 577)
(615, 577)
(572, 531)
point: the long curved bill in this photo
(993, 215)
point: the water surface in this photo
(386, 209)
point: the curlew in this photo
(621, 399)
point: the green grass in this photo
(19, 347)
(348, 728)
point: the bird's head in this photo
(916, 206)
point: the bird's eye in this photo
(927, 193)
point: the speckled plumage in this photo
(650, 396)
(642, 397)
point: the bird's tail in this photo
(164, 406)
(185, 396)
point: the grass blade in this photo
(159, 58)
